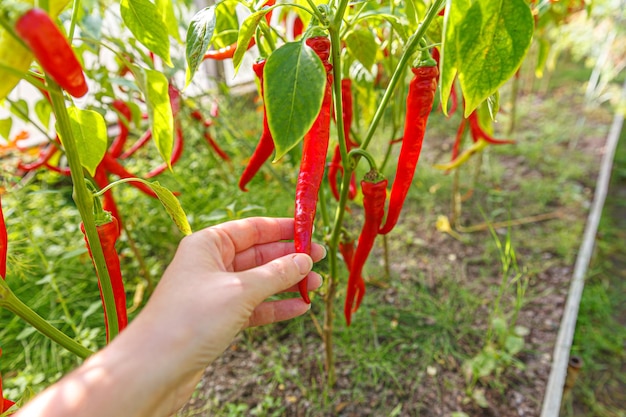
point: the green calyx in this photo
(373, 176)
(100, 215)
(425, 59)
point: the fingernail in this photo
(304, 262)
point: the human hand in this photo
(217, 284)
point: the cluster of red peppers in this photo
(419, 104)
(374, 187)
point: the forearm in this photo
(131, 377)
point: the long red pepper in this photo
(108, 233)
(143, 139)
(226, 52)
(46, 153)
(346, 248)
(315, 147)
(265, 147)
(213, 144)
(374, 189)
(4, 243)
(52, 50)
(478, 132)
(419, 104)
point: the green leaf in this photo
(5, 127)
(20, 109)
(455, 10)
(147, 24)
(226, 26)
(411, 13)
(172, 206)
(166, 8)
(496, 35)
(90, 133)
(155, 87)
(246, 32)
(362, 45)
(514, 344)
(399, 25)
(294, 83)
(43, 110)
(198, 40)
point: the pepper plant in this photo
(330, 74)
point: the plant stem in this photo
(84, 202)
(10, 301)
(409, 49)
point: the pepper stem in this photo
(84, 203)
(10, 301)
(409, 49)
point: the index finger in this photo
(246, 233)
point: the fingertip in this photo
(303, 262)
(314, 281)
(318, 252)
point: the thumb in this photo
(277, 275)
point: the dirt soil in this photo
(242, 377)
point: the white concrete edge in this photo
(554, 390)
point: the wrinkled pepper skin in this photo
(265, 147)
(315, 148)
(419, 104)
(52, 51)
(108, 234)
(374, 196)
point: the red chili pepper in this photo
(458, 139)
(213, 144)
(374, 189)
(265, 147)
(108, 233)
(346, 248)
(4, 244)
(46, 153)
(116, 148)
(419, 104)
(145, 138)
(314, 151)
(226, 52)
(298, 27)
(5, 403)
(52, 50)
(479, 133)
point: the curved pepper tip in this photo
(304, 293)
